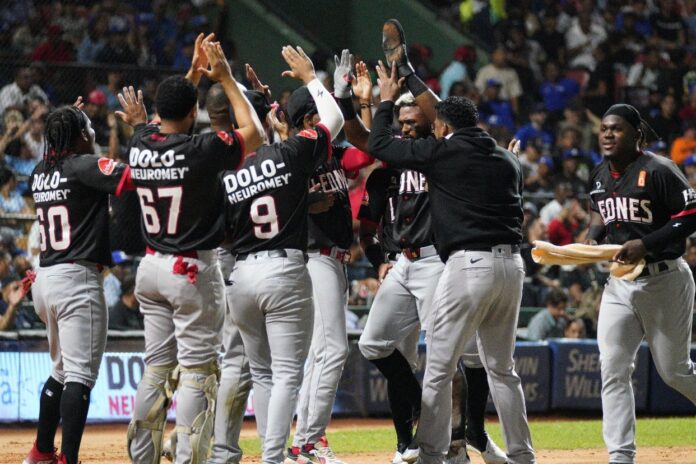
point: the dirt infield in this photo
(106, 444)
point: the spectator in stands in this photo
(10, 199)
(573, 163)
(588, 309)
(552, 209)
(557, 90)
(496, 110)
(117, 49)
(688, 111)
(55, 49)
(524, 56)
(542, 183)
(575, 116)
(581, 40)
(459, 69)
(531, 157)
(690, 169)
(669, 30)
(575, 329)
(12, 295)
(116, 275)
(685, 145)
(114, 84)
(498, 70)
(647, 71)
(535, 129)
(552, 321)
(599, 93)
(97, 111)
(29, 35)
(125, 315)
(549, 37)
(34, 137)
(94, 40)
(564, 228)
(666, 123)
(19, 93)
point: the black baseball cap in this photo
(300, 105)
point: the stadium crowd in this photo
(550, 72)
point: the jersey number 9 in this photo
(265, 218)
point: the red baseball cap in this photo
(97, 97)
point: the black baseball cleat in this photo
(394, 46)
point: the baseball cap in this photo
(538, 108)
(690, 161)
(571, 153)
(120, 257)
(547, 160)
(531, 207)
(493, 82)
(258, 101)
(97, 97)
(300, 104)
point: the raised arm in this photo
(301, 68)
(199, 60)
(356, 132)
(249, 125)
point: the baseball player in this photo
(476, 208)
(330, 237)
(71, 188)
(644, 202)
(269, 294)
(179, 284)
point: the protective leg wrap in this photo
(164, 380)
(200, 431)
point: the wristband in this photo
(347, 108)
(415, 85)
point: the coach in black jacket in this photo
(476, 205)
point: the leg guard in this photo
(159, 382)
(195, 436)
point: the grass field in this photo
(562, 434)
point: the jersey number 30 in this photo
(265, 218)
(150, 216)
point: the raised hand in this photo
(514, 147)
(301, 66)
(276, 118)
(389, 82)
(79, 104)
(256, 83)
(219, 70)
(343, 75)
(200, 59)
(362, 84)
(134, 111)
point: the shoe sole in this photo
(474, 450)
(393, 41)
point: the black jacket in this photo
(475, 187)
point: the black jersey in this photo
(267, 197)
(413, 226)
(335, 226)
(72, 205)
(176, 179)
(379, 205)
(642, 199)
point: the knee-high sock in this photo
(477, 382)
(49, 415)
(74, 405)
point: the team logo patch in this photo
(225, 137)
(641, 178)
(308, 134)
(106, 166)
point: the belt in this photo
(500, 248)
(339, 254)
(658, 267)
(82, 262)
(413, 254)
(263, 254)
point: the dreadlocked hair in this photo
(63, 127)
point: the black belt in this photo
(269, 253)
(393, 256)
(661, 267)
(513, 248)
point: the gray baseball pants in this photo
(69, 299)
(182, 325)
(394, 316)
(657, 308)
(328, 351)
(478, 293)
(271, 303)
(235, 384)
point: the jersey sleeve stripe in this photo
(328, 140)
(126, 182)
(685, 213)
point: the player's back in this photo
(175, 176)
(72, 205)
(267, 197)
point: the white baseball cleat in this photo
(397, 459)
(410, 455)
(492, 454)
(323, 452)
(457, 453)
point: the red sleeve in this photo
(126, 182)
(354, 159)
